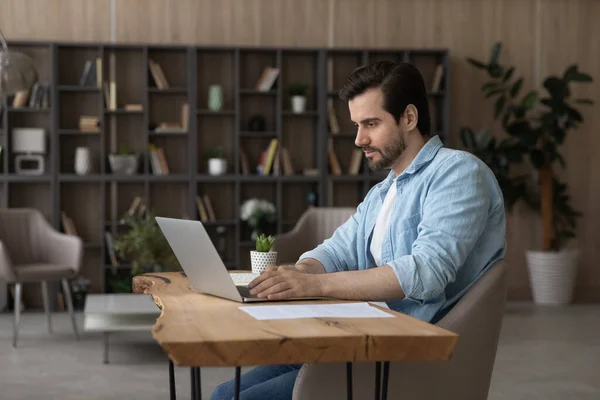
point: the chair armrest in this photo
(63, 249)
(6, 269)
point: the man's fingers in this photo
(284, 295)
(261, 278)
(276, 288)
(267, 283)
(271, 268)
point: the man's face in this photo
(378, 134)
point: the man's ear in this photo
(411, 117)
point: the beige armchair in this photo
(476, 318)
(314, 226)
(32, 251)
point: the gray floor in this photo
(545, 353)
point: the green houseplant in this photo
(298, 92)
(536, 125)
(263, 256)
(217, 160)
(144, 245)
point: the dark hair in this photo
(401, 84)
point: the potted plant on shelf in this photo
(259, 214)
(298, 92)
(537, 125)
(144, 245)
(124, 161)
(217, 161)
(263, 256)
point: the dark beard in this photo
(389, 155)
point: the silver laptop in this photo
(200, 260)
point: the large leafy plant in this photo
(144, 244)
(537, 124)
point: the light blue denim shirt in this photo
(446, 229)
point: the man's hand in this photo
(284, 282)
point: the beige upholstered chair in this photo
(314, 225)
(477, 318)
(32, 251)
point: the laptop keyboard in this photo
(245, 292)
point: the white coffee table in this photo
(109, 313)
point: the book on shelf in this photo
(267, 79)
(288, 169)
(334, 163)
(160, 80)
(244, 162)
(334, 126)
(68, 225)
(89, 123)
(110, 247)
(92, 73)
(355, 162)
(206, 212)
(270, 156)
(20, 98)
(158, 160)
(133, 107)
(437, 78)
(180, 126)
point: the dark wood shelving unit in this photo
(96, 201)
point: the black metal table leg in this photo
(195, 383)
(349, 380)
(378, 380)
(386, 374)
(172, 380)
(238, 372)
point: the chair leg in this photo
(17, 306)
(46, 296)
(67, 290)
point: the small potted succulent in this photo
(298, 93)
(263, 257)
(217, 161)
(124, 161)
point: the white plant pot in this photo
(83, 161)
(123, 164)
(217, 166)
(298, 104)
(260, 260)
(552, 275)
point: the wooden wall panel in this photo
(69, 20)
(539, 36)
(223, 22)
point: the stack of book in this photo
(89, 123)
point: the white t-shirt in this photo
(383, 220)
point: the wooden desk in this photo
(198, 330)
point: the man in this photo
(420, 238)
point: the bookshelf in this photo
(133, 118)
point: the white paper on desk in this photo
(345, 310)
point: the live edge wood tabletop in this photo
(200, 330)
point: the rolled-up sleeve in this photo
(340, 251)
(454, 217)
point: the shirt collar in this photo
(425, 155)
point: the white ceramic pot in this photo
(83, 161)
(552, 275)
(217, 166)
(298, 104)
(260, 260)
(123, 164)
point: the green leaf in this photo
(499, 106)
(557, 88)
(570, 72)
(493, 92)
(508, 74)
(483, 137)
(585, 101)
(517, 128)
(514, 90)
(582, 77)
(574, 114)
(477, 64)
(530, 99)
(495, 53)
(468, 138)
(495, 71)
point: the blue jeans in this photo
(268, 382)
